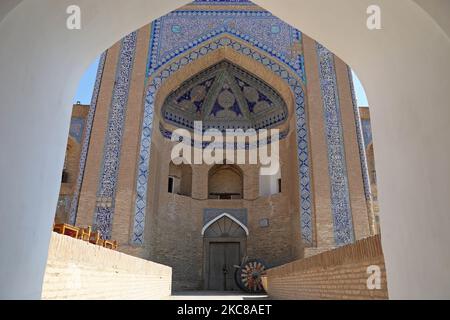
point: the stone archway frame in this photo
(210, 223)
(243, 51)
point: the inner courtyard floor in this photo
(216, 295)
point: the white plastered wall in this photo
(405, 68)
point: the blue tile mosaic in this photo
(337, 167)
(195, 27)
(104, 211)
(224, 96)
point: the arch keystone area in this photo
(210, 223)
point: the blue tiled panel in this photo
(195, 27)
(113, 141)
(337, 167)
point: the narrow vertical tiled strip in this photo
(86, 140)
(340, 197)
(362, 154)
(104, 211)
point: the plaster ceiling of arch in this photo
(225, 96)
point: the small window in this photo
(65, 177)
(170, 185)
(279, 185)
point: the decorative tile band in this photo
(166, 133)
(340, 198)
(181, 31)
(147, 127)
(86, 140)
(111, 155)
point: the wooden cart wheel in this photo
(249, 275)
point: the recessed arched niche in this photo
(225, 182)
(180, 179)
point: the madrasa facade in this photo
(226, 65)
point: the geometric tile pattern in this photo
(180, 31)
(104, 211)
(180, 60)
(225, 96)
(340, 198)
(86, 140)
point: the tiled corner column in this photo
(105, 204)
(337, 166)
(125, 192)
(358, 202)
(324, 234)
(87, 201)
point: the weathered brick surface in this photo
(336, 274)
(79, 270)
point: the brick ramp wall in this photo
(80, 270)
(337, 274)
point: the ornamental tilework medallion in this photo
(159, 72)
(86, 140)
(104, 211)
(223, 97)
(340, 198)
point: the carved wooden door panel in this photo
(223, 256)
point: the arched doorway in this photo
(225, 240)
(419, 271)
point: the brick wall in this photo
(79, 270)
(336, 274)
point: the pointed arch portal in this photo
(415, 233)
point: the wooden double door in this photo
(223, 257)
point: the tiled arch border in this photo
(280, 69)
